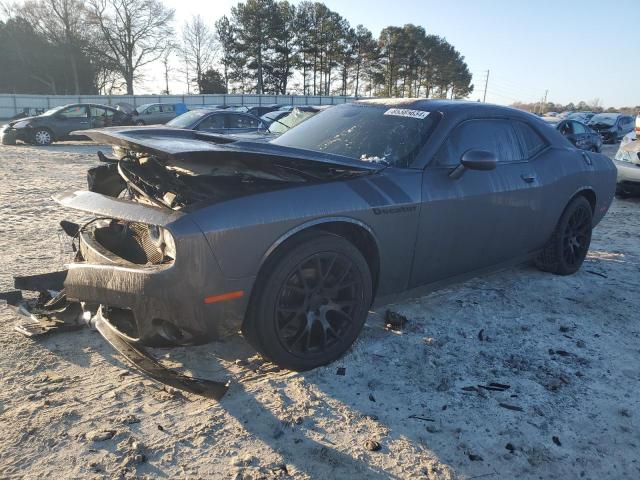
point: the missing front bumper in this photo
(145, 363)
(52, 312)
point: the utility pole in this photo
(544, 102)
(486, 84)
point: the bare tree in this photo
(166, 64)
(135, 33)
(198, 47)
(61, 23)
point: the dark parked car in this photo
(59, 123)
(218, 121)
(278, 122)
(583, 117)
(579, 134)
(291, 241)
(157, 113)
(612, 126)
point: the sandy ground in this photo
(567, 347)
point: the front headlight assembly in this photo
(163, 240)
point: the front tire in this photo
(139, 123)
(568, 246)
(42, 137)
(311, 304)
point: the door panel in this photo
(483, 217)
(478, 220)
(70, 119)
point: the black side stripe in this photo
(391, 189)
(369, 194)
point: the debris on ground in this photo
(511, 407)
(372, 445)
(394, 320)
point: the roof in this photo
(451, 107)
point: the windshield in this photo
(603, 119)
(288, 121)
(371, 133)
(52, 111)
(186, 120)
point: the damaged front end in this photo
(144, 272)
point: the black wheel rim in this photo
(318, 303)
(575, 241)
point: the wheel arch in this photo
(354, 231)
(589, 194)
(48, 129)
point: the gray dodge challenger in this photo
(196, 235)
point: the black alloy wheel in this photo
(311, 300)
(576, 237)
(568, 246)
(317, 303)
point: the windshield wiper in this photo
(281, 123)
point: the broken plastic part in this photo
(146, 364)
(70, 228)
(49, 313)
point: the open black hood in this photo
(180, 144)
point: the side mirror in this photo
(475, 160)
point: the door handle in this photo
(528, 177)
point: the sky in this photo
(575, 49)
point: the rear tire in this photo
(311, 303)
(568, 246)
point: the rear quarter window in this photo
(532, 141)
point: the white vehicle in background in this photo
(627, 162)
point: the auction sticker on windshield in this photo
(405, 112)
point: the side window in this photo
(79, 111)
(101, 117)
(152, 110)
(492, 135)
(168, 108)
(532, 142)
(101, 112)
(242, 121)
(565, 128)
(212, 122)
(578, 128)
